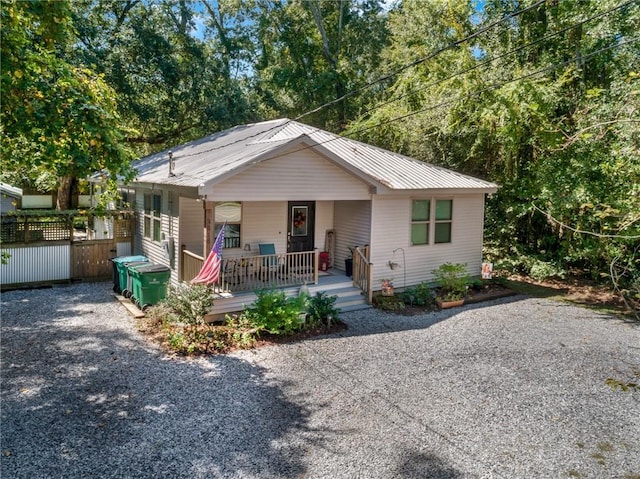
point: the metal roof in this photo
(221, 154)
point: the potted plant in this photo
(387, 287)
(452, 281)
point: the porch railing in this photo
(363, 272)
(251, 273)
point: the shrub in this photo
(388, 303)
(453, 280)
(321, 306)
(189, 303)
(420, 295)
(541, 270)
(273, 312)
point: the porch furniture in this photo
(270, 261)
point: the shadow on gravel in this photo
(424, 465)
(86, 399)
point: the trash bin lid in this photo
(129, 259)
(153, 268)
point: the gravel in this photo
(513, 388)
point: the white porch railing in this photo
(251, 273)
(363, 272)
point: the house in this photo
(10, 198)
(303, 190)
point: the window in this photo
(421, 212)
(422, 219)
(443, 221)
(152, 222)
(231, 212)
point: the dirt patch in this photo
(270, 339)
(578, 291)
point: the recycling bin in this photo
(127, 285)
(120, 270)
(149, 284)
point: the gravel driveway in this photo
(514, 388)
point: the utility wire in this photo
(419, 61)
(492, 87)
(591, 233)
(498, 57)
(379, 80)
(495, 86)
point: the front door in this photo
(300, 234)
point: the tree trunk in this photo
(64, 193)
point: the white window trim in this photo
(151, 216)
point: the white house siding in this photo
(191, 225)
(153, 249)
(263, 222)
(303, 176)
(391, 230)
(324, 222)
(352, 222)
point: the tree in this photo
(309, 53)
(545, 104)
(173, 82)
(57, 119)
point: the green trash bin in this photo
(149, 284)
(120, 270)
(127, 286)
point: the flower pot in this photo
(449, 304)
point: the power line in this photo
(493, 87)
(498, 57)
(383, 78)
(431, 55)
(575, 230)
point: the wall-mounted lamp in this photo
(247, 247)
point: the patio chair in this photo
(270, 264)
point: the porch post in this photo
(316, 264)
(208, 229)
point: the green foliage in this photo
(273, 312)
(196, 339)
(4, 257)
(58, 120)
(453, 280)
(321, 307)
(388, 303)
(189, 303)
(420, 295)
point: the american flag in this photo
(210, 272)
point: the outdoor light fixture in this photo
(247, 247)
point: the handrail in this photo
(363, 272)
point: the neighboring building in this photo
(297, 187)
(10, 198)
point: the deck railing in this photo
(251, 273)
(363, 271)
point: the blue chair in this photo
(270, 263)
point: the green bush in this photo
(189, 303)
(453, 280)
(321, 306)
(273, 312)
(388, 303)
(541, 270)
(420, 295)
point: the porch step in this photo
(349, 298)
